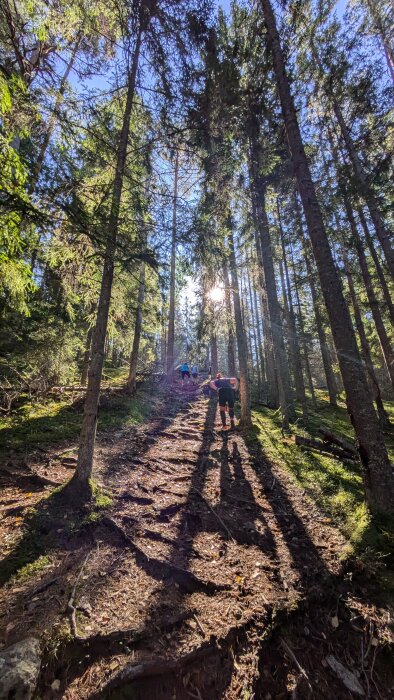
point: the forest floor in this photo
(204, 570)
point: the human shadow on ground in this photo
(197, 518)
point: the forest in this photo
(196, 217)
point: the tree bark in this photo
(378, 22)
(383, 233)
(214, 355)
(171, 311)
(259, 337)
(272, 383)
(303, 337)
(132, 379)
(378, 475)
(79, 483)
(282, 369)
(246, 418)
(292, 328)
(385, 344)
(321, 334)
(229, 315)
(379, 269)
(86, 357)
(253, 331)
(365, 349)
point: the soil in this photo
(212, 574)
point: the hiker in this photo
(225, 386)
(185, 372)
(195, 373)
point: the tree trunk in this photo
(365, 349)
(86, 357)
(378, 475)
(378, 22)
(378, 266)
(246, 418)
(229, 314)
(259, 338)
(80, 481)
(132, 379)
(385, 344)
(171, 312)
(214, 355)
(303, 337)
(324, 350)
(292, 328)
(383, 233)
(47, 137)
(272, 383)
(253, 332)
(282, 369)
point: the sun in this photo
(216, 294)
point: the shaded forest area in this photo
(202, 183)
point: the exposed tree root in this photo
(159, 666)
(161, 570)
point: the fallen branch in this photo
(323, 447)
(71, 609)
(293, 657)
(338, 440)
(215, 514)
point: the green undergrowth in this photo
(335, 485)
(47, 527)
(49, 422)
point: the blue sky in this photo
(340, 6)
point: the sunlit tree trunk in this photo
(86, 357)
(229, 315)
(303, 337)
(321, 334)
(272, 383)
(79, 484)
(385, 344)
(281, 364)
(365, 349)
(171, 311)
(379, 270)
(132, 378)
(377, 472)
(214, 355)
(241, 336)
(383, 233)
(292, 328)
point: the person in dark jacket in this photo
(225, 387)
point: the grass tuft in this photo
(335, 485)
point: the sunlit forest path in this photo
(183, 583)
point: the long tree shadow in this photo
(306, 556)
(55, 524)
(238, 507)
(169, 599)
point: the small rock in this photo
(56, 684)
(19, 668)
(347, 677)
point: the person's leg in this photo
(222, 406)
(231, 411)
(222, 411)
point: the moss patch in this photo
(51, 422)
(337, 486)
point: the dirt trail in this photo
(187, 574)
